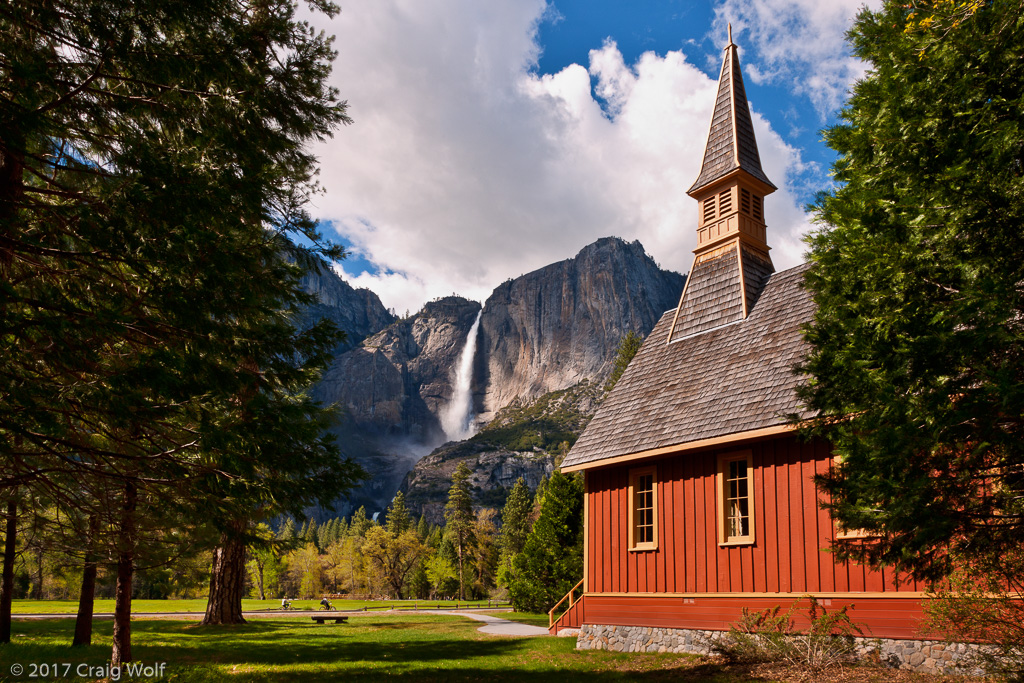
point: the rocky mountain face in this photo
(358, 312)
(397, 382)
(561, 324)
(547, 331)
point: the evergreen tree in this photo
(360, 523)
(287, 531)
(311, 535)
(917, 349)
(398, 520)
(552, 559)
(461, 520)
(516, 522)
(628, 346)
(154, 162)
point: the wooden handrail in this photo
(551, 612)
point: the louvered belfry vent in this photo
(731, 263)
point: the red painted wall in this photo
(789, 555)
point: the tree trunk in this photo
(7, 589)
(227, 579)
(83, 623)
(122, 651)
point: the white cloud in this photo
(463, 168)
(797, 42)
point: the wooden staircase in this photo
(571, 614)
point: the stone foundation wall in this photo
(925, 656)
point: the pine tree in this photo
(917, 352)
(360, 524)
(311, 535)
(551, 562)
(460, 518)
(154, 164)
(516, 522)
(398, 520)
(628, 346)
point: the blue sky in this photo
(494, 138)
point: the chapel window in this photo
(736, 499)
(643, 493)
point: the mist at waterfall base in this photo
(457, 416)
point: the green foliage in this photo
(460, 520)
(628, 346)
(398, 519)
(917, 352)
(551, 562)
(983, 601)
(770, 636)
(516, 522)
(545, 424)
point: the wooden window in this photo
(735, 499)
(643, 508)
(745, 201)
(847, 534)
(724, 202)
(758, 208)
(709, 209)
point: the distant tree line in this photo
(530, 552)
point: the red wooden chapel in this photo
(699, 495)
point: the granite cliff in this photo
(358, 312)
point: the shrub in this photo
(983, 601)
(771, 636)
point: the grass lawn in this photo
(199, 605)
(408, 647)
(413, 648)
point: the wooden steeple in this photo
(731, 261)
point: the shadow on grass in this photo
(427, 649)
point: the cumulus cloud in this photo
(798, 42)
(465, 168)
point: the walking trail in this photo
(501, 627)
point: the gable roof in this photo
(731, 379)
(731, 143)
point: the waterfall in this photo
(457, 416)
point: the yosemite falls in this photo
(457, 416)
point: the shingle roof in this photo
(731, 379)
(712, 296)
(729, 148)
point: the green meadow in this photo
(408, 647)
(199, 605)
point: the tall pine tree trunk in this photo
(7, 588)
(122, 651)
(83, 623)
(227, 579)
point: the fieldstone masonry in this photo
(925, 656)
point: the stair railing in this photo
(572, 601)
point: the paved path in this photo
(501, 627)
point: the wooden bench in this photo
(336, 620)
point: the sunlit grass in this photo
(199, 605)
(414, 648)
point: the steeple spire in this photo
(731, 144)
(731, 262)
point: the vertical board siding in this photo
(792, 533)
